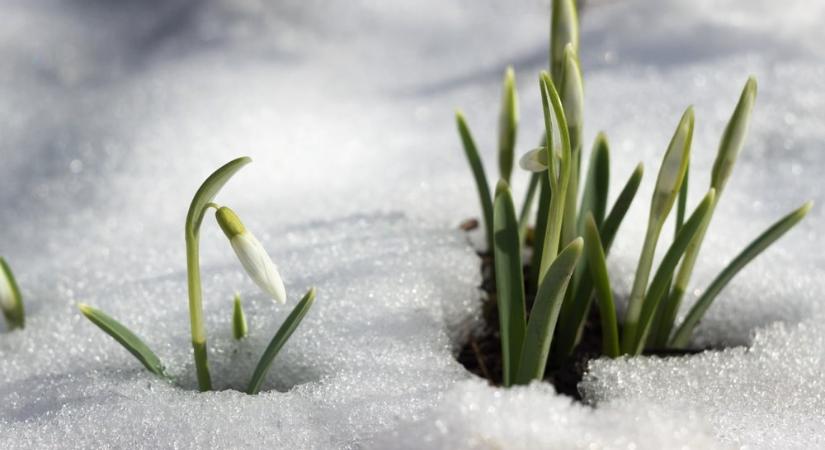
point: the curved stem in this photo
(200, 203)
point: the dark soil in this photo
(482, 356)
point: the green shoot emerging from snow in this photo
(239, 327)
(565, 285)
(255, 261)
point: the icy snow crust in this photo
(111, 116)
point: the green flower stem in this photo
(661, 281)
(730, 145)
(200, 203)
(668, 183)
(637, 292)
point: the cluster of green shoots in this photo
(573, 230)
(255, 261)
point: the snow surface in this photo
(111, 114)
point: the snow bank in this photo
(112, 114)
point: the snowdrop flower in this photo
(534, 161)
(252, 255)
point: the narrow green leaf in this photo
(604, 293)
(540, 231)
(664, 274)
(278, 341)
(11, 301)
(124, 337)
(509, 281)
(564, 29)
(596, 183)
(239, 327)
(763, 241)
(611, 224)
(507, 125)
(477, 167)
(681, 204)
(545, 312)
(526, 206)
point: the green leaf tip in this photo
(682, 336)
(239, 325)
(564, 30)
(281, 337)
(502, 187)
(125, 337)
(572, 88)
(479, 176)
(508, 125)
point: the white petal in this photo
(535, 160)
(259, 265)
(6, 294)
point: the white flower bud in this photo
(252, 255)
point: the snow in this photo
(112, 114)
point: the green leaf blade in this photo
(239, 326)
(682, 336)
(596, 183)
(124, 337)
(545, 313)
(610, 226)
(664, 274)
(509, 281)
(477, 168)
(604, 293)
(281, 337)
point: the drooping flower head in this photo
(252, 255)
